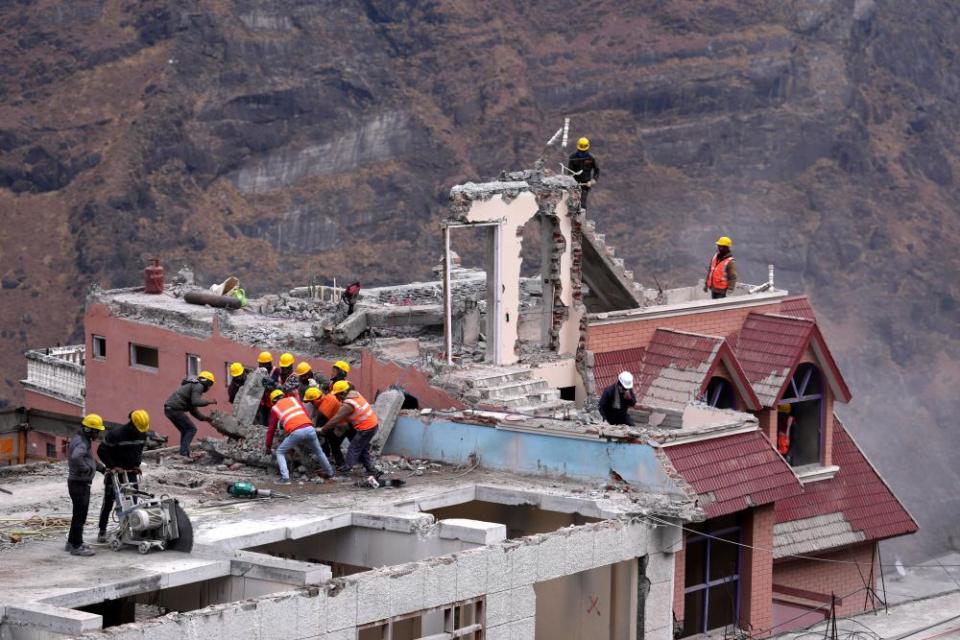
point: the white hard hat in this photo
(626, 379)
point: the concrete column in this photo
(658, 608)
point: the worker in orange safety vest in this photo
(358, 414)
(290, 414)
(722, 273)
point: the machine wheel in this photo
(185, 527)
(115, 544)
(143, 548)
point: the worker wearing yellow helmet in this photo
(283, 375)
(722, 272)
(188, 398)
(340, 371)
(356, 413)
(238, 376)
(290, 414)
(584, 169)
(121, 451)
(82, 469)
(265, 362)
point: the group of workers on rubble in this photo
(315, 413)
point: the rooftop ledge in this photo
(693, 303)
(814, 472)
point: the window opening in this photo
(193, 365)
(712, 576)
(143, 357)
(51, 450)
(800, 418)
(458, 620)
(99, 347)
(719, 394)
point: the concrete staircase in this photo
(513, 389)
(611, 285)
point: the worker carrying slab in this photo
(289, 414)
(584, 168)
(82, 469)
(121, 450)
(356, 412)
(188, 399)
(722, 272)
(238, 375)
(617, 399)
(321, 407)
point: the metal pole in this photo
(447, 294)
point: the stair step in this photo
(535, 399)
(555, 409)
(492, 377)
(513, 389)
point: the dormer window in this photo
(719, 394)
(800, 418)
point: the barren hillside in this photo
(295, 141)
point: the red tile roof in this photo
(734, 472)
(607, 366)
(797, 306)
(769, 347)
(857, 491)
(675, 367)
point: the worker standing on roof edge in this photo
(265, 362)
(322, 407)
(617, 399)
(82, 469)
(238, 375)
(584, 168)
(188, 398)
(356, 412)
(722, 272)
(121, 450)
(290, 414)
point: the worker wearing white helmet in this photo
(617, 399)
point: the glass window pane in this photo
(695, 565)
(724, 557)
(722, 608)
(693, 613)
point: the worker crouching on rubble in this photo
(322, 407)
(356, 412)
(82, 469)
(188, 399)
(290, 414)
(121, 450)
(617, 399)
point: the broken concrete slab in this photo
(261, 566)
(247, 401)
(475, 531)
(387, 407)
(50, 618)
(350, 328)
(420, 315)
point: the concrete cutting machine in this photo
(146, 521)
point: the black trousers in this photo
(80, 496)
(109, 499)
(359, 450)
(584, 192)
(332, 446)
(718, 294)
(184, 425)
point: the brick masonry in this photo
(839, 578)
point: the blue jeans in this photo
(304, 437)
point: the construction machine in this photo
(146, 521)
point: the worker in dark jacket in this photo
(265, 362)
(340, 370)
(584, 168)
(238, 375)
(722, 272)
(121, 450)
(82, 469)
(188, 399)
(617, 399)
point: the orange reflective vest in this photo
(328, 405)
(717, 276)
(291, 414)
(362, 418)
(783, 443)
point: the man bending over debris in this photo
(321, 407)
(83, 468)
(290, 414)
(617, 399)
(121, 450)
(188, 399)
(356, 412)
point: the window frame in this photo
(804, 374)
(94, 341)
(709, 538)
(199, 366)
(451, 625)
(134, 364)
(711, 398)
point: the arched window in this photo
(800, 416)
(720, 394)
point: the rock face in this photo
(296, 141)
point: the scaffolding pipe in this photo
(447, 298)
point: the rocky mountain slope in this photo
(297, 141)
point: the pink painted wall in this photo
(114, 388)
(34, 400)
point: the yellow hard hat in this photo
(303, 368)
(342, 365)
(275, 395)
(724, 241)
(236, 370)
(340, 386)
(583, 144)
(93, 421)
(206, 375)
(265, 357)
(311, 394)
(785, 407)
(141, 420)
(286, 360)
